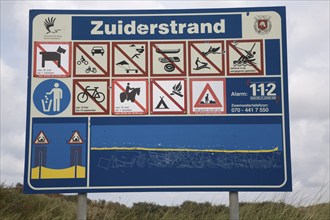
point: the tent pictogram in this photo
(76, 138)
(130, 96)
(161, 104)
(52, 59)
(206, 58)
(205, 100)
(245, 57)
(207, 96)
(91, 96)
(168, 58)
(91, 59)
(41, 138)
(168, 96)
(130, 59)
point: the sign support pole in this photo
(82, 206)
(233, 206)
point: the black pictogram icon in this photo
(138, 50)
(49, 24)
(246, 59)
(200, 65)
(91, 92)
(89, 69)
(82, 60)
(52, 56)
(129, 94)
(212, 51)
(177, 89)
(169, 67)
(126, 66)
(207, 100)
(97, 50)
(161, 104)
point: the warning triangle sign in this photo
(205, 100)
(76, 138)
(41, 138)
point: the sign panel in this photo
(158, 100)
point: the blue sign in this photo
(158, 100)
(51, 97)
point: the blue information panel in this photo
(158, 100)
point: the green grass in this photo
(16, 205)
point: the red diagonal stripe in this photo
(135, 101)
(43, 50)
(169, 96)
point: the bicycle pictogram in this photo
(82, 60)
(91, 92)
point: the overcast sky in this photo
(308, 56)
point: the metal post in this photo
(82, 206)
(233, 206)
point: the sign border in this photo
(224, 96)
(262, 70)
(75, 48)
(286, 185)
(183, 72)
(146, 112)
(114, 44)
(49, 75)
(169, 112)
(75, 82)
(223, 71)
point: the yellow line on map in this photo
(183, 150)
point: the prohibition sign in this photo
(96, 95)
(258, 71)
(204, 55)
(55, 56)
(171, 62)
(182, 108)
(138, 69)
(143, 109)
(78, 46)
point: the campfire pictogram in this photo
(177, 89)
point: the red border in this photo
(169, 112)
(113, 97)
(261, 58)
(38, 136)
(183, 72)
(75, 82)
(144, 73)
(107, 71)
(51, 76)
(82, 141)
(224, 96)
(221, 73)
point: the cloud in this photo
(308, 55)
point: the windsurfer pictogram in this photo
(245, 59)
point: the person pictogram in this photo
(57, 96)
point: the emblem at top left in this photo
(52, 59)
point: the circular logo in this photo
(51, 97)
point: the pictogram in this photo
(52, 59)
(130, 59)
(245, 57)
(168, 96)
(91, 59)
(91, 97)
(206, 58)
